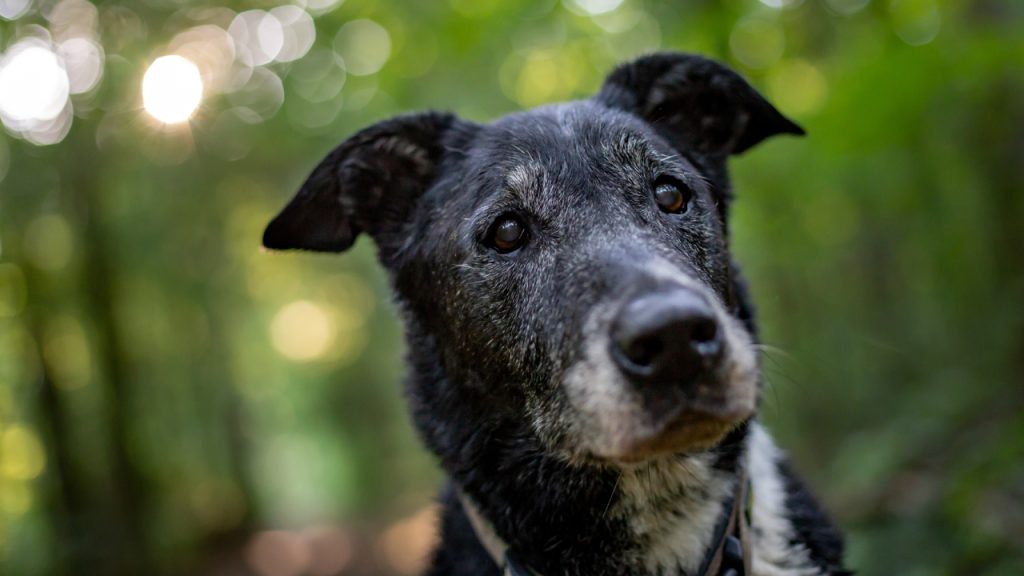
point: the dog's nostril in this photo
(703, 330)
(704, 337)
(643, 351)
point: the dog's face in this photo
(564, 270)
(575, 265)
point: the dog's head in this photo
(564, 270)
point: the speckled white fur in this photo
(673, 504)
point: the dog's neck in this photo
(658, 517)
(671, 507)
(671, 510)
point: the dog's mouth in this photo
(691, 429)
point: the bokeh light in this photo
(83, 58)
(330, 549)
(319, 7)
(781, 3)
(847, 7)
(757, 42)
(262, 95)
(319, 76)
(278, 553)
(916, 22)
(259, 34)
(212, 50)
(73, 19)
(21, 454)
(318, 550)
(172, 89)
(302, 331)
(406, 545)
(298, 32)
(34, 87)
(597, 6)
(798, 86)
(14, 9)
(364, 45)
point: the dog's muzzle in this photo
(670, 345)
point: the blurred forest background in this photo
(173, 400)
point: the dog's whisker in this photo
(761, 346)
(611, 496)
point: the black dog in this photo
(581, 344)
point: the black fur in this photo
(812, 526)
(493, 338)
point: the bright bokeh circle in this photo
(172, 89)
(33, 85)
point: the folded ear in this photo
(370, 183)
(696, 102)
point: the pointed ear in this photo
(696, 102)
(370, 183)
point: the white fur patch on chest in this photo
(772, 555)
(672, 506)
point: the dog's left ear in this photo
(699, 104)
(369, 183)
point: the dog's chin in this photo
(692, 430)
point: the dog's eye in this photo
(671, 196)
(508, 234)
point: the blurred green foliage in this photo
(167, 390)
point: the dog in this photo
(582, 349)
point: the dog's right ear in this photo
(370, 183)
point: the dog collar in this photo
(729, 554)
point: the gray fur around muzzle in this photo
(663, 368)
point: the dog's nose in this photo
(666, 336)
